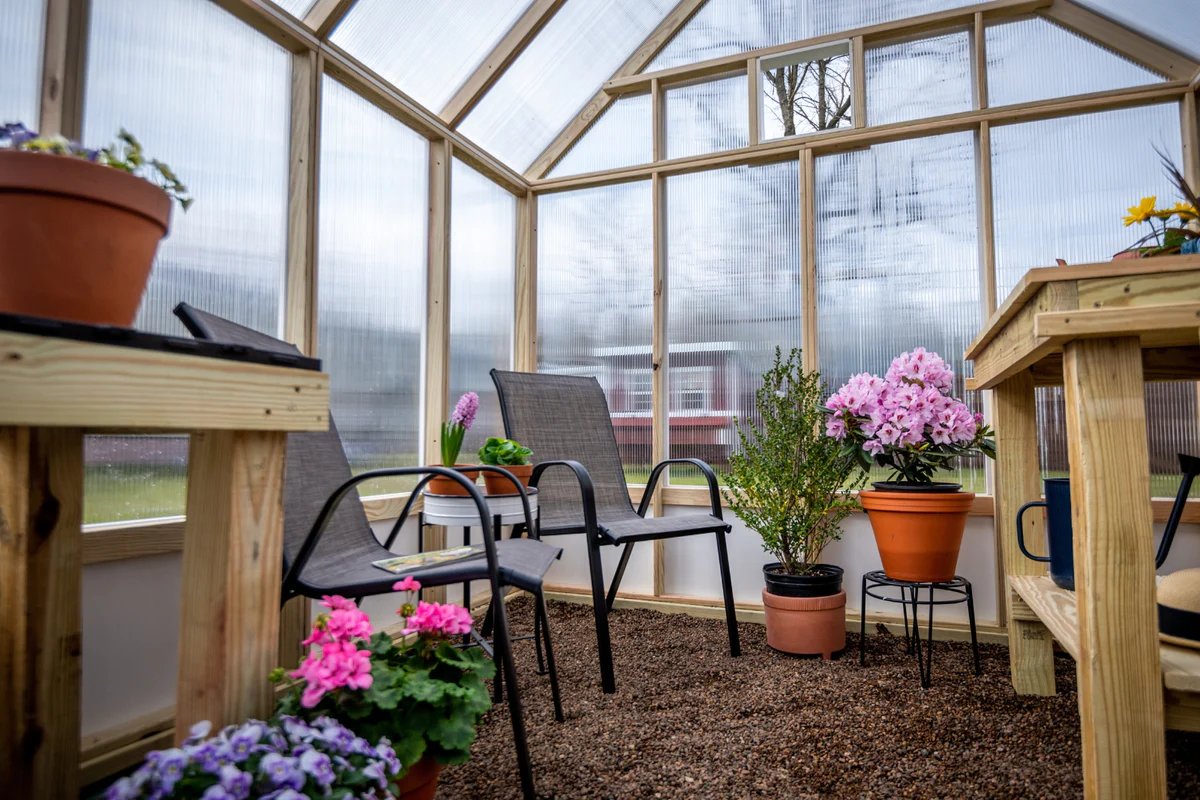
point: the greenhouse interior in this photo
(873, 324)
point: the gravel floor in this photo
(688, 721)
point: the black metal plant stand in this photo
(876, 584)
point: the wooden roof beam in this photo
(324, 16)
(1126, 41)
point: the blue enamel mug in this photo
(1058, 531)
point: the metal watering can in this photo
(1058, 523)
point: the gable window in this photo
(806, 91)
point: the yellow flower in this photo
(1185, 211)
(1142, 211)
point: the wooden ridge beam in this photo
(506, 51)
(324, 16)
(1133, 45)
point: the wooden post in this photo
(660, 366)
(808, 259)
(979, 62)
(1030, 646)
(64, 61)
(754, 104)
(1120, 678)
(41, 510)
(858, 82)
(232, 565)
(525, 353)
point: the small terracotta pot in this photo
(448, 486)
(806, 625)
(498, 484)
(918, 533)
(421, 780)
(77, 240)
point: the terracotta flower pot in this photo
(448, 486)
(77, 240)
(918, 533)
(421, 780)
(806, 625)
(498, 484)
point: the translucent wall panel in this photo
(21, 25)
(921, 78)
(621, 137)
(1095, 165)
(806, 92)
(1171, 21)
(1034, 59)
(483, 255)
(427, 49)
(595, 301)
(733, 266)
(371, 296)
(297, 8)
(897, 260)
(209, 96)
(579, 49)
(707, 117)
(723, 27)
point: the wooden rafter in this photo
(511, 45)
(651, 47)
(1126, 41)
(324, 16)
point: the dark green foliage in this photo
(499, 452)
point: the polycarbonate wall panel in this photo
(1174, 22)
(733, 267)
(209, 96)
(707, 117)
(483, 254)
(577, 51)
(297, 8)
(1034, 59)
(371, 290)
(596, 302)
(22, 25)
(897, 260)
(427, 49)
(621, 137)
(724, 27)
(921, 78)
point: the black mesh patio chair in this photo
(329, 545)
(566, 422)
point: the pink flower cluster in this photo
(465, 410)
(334, 659)
(906, 408)
(432, 619)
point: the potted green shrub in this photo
(510, 455)
(793, 485)
(79, 227)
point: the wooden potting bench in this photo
(54, 389)
(1100, 331)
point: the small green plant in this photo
(788, 481)
(499, 452)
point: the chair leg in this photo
(540, 599)
(537, 634)
(608, 681)
(862, 624)
(735, 645)
(626, 551)
(503, 648)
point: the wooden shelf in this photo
(1055, 608)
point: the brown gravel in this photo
(689, 721)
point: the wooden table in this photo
(51, 391)
(1100, 330)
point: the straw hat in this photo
(1179, 608)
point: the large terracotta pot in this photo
(77, 239)
(421, 780)
(498, 484)
(918, 533)
(806, 625)
(448, 486)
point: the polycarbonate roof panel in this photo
(426, 48)
(297, 8)
(1175, 23)
(724, 27)
(579, 49)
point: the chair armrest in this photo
(714, 496)
(587, 491)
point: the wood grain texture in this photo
(64, 58)
(808, 260)
(1120, 689)
(1159, 325)
(61, 382)
(525, 350)
(979, 87)
(660, 363)
(1052, 606)
(1031, 651)
(858, 82)
(304, 148)
(232, 568)
(986, 216)
(1016, 348)
(1162, 288)
(324, 15)
(119, 541)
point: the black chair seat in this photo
(630, 527)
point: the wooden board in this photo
(46, 381)
(1156, 326)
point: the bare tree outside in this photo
(810, 95)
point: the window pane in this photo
(371, 287)
(724, 27)
(21, 33)
(1169, 21)
(922, 78)
(579, 49)
(806, 92)
(621, 137)
(209, 96)
(733, 261)
(897, 261)
(426, 49)
(1034, 59)
(707, 117)
(483, 252)
(596, 301)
